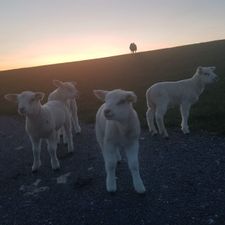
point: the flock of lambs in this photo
(117, 124)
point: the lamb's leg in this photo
(52, 146)
(150, 115)
(118, 155)
(184, 110)
(69, 137)
(61, 136)
(76, 124)
(160, 112)
(110, 158)
(74, 117)
(36, 148)
(132, 156)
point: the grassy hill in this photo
(132, 72)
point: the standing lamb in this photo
(43, 122)
(117, 126)
(133, 47)
(62, 94)
(183, 93)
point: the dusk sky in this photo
(52, 31)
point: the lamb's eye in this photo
(206, 74)
(32, 100)
(121, 102)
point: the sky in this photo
(40, 32)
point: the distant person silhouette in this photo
(133, 47)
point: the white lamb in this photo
(183, 93)
(117, 126)
(61, 94)
(43, 122)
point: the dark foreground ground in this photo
(184, 178)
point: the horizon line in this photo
(105, 57)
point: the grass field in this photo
(131, 72)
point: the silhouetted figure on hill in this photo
(133, 47)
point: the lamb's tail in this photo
(150, 103)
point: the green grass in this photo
(131, 72)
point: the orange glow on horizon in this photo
(67, 50)
(48, 59)
(61, 50)
(55, 58)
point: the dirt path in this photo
(184, 178)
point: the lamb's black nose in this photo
(22, 110)
(107, 111)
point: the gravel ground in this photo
(184, 177)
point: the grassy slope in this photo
(132, 72)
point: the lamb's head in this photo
(206, 74)
(67, 90)
(28, 102)
(118, 103)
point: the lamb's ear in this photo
(131, 97)
(100, 94)
(73, 83)
(199, 69)
(11, 97)
(39, 95)
(212, 68)
(58, 83)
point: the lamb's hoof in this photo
(36, 167)
(70, 153)
(185, 130)
(112, 193)
(153, 133)
(142, 194)
(56, 166)
(34, 171)
(71, 149)
(78, 133)
(140, 189)
(166, 138)
(111, 189)
(56, 169)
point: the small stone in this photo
(211, 221)
(19, 148)
(63, 178)
(36, 183)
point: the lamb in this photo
(183, 93)
(117, 127)
(61, 94)
(133, 47)
(43, 122)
